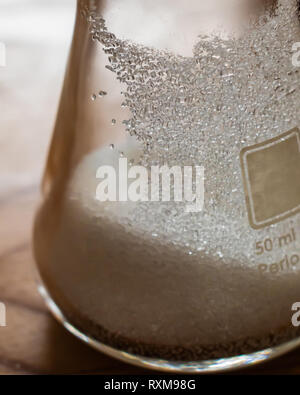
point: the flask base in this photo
(207, 366)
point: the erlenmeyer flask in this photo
(169, 233)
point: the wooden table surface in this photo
(32, 342)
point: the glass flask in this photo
(169, 232)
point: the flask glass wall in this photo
(170, 224)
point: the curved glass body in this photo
(170, 224)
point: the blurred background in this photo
(37, 36)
